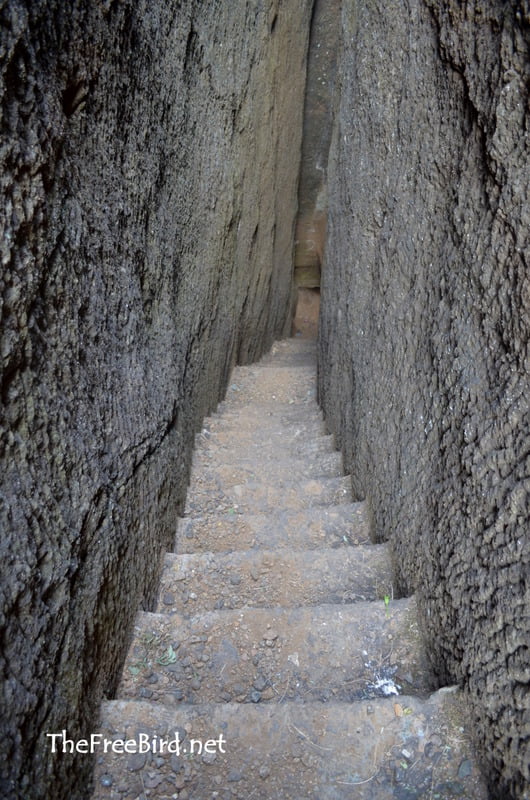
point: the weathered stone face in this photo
(150, 155)
(425, 328)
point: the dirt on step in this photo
(388, 749)
(328, 652)
(258, 578)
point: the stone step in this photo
(292, 352)
(303, 448)
(289, 373)
(402, 748)
(293, 443)
(269, 383)
(223, 465)
(243, 433)
(296, 442)
(292, 344)
(321, 526)
(262, 497)
(260, 420)
(294, 359)
(292, 407)
(199, 582)
(292, 356)
(253, 417)
(280, 361)
(327, 652)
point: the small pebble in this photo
(429, 750)
(255, 696)
(106, 780)
(136, 762)
(264, 772)
(399, 775)
(153, 780)
(235, 580)
(465, 769)
(176, 764)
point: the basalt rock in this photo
(149, 197)
(425, 329)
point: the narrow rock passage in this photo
(278, 663)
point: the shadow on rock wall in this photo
(149, 203)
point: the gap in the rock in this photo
(311, 224)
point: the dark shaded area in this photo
(147, 232)
(320, 98)
(425, 328)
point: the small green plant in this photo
(169, 657)
(386, 599)
(137, 667)
(149, 643)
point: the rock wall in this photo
(425, 327)
(149, 164)
(318, 114)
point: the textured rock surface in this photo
(147, 226)
(424, 359)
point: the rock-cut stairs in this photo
(279, 663)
